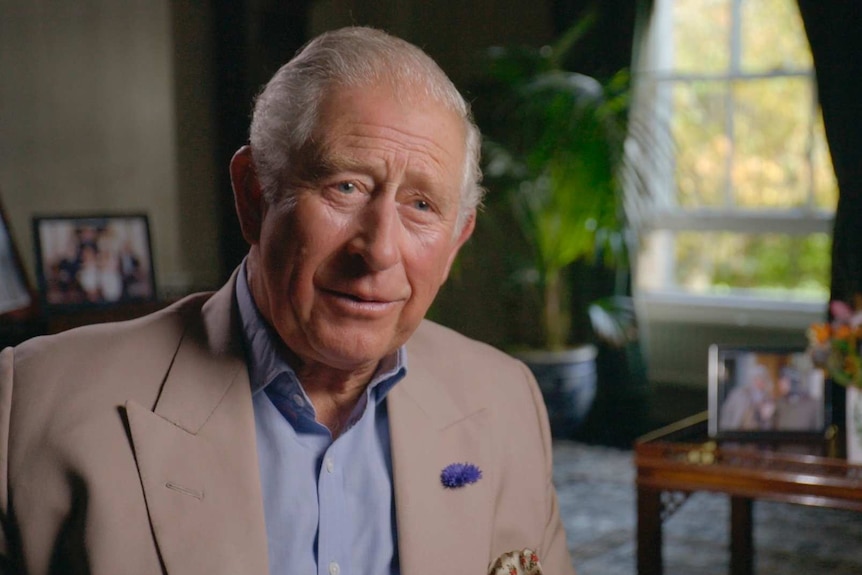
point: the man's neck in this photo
(333, 393)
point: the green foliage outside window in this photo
(776, 265)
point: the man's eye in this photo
(422, 205)
(346, 187)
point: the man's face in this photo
(348, 271)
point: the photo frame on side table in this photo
(16, 295)
(93, 260)
(766, 393)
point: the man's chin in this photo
(356, 349)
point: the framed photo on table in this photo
(16, 297)
(93, 260)
(765, 393)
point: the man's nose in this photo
(376, 240)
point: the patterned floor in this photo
(597, 501)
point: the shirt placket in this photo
(332, 531)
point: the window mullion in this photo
(730, 103)
(736, 37)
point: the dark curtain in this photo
(834, 29)
(252, 41)
(607, 46)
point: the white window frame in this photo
(657, 296)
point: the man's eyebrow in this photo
(335, 163)
(321, 163)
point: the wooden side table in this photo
(680, 459)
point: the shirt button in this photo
(334, 568)
(297, 399)
(330, 466)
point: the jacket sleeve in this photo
(554, 554)
(6, 378)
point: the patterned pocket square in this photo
(524, 562)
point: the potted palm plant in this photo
(555, 160)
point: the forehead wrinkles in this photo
(416, 153)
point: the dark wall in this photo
(251, 43)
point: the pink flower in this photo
(840, 310)
(845, 314)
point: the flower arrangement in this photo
(835, 346)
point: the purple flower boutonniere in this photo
(459, 475)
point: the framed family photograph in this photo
(15, 293)
(766, 393)
(93, 260)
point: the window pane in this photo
(701, 143)
(773, 37)
(772, 135)
(767, 264)
(701, 31)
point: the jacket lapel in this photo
(196, 456)
(198, 463)
(438, 526)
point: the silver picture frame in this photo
(763, 393)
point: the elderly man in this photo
(304, 418)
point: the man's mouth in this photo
(362, 302)
(356, 297)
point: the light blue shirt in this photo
(328, 505)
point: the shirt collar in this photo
(265, 351)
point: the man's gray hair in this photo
(286, 110)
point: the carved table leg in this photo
(741, 539)
(649, 532)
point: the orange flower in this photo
(835, 346)
(843, 332)
(820, 332)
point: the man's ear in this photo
(464, 235)
(247, 194)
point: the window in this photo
(745, 183)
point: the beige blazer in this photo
(130, 448)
